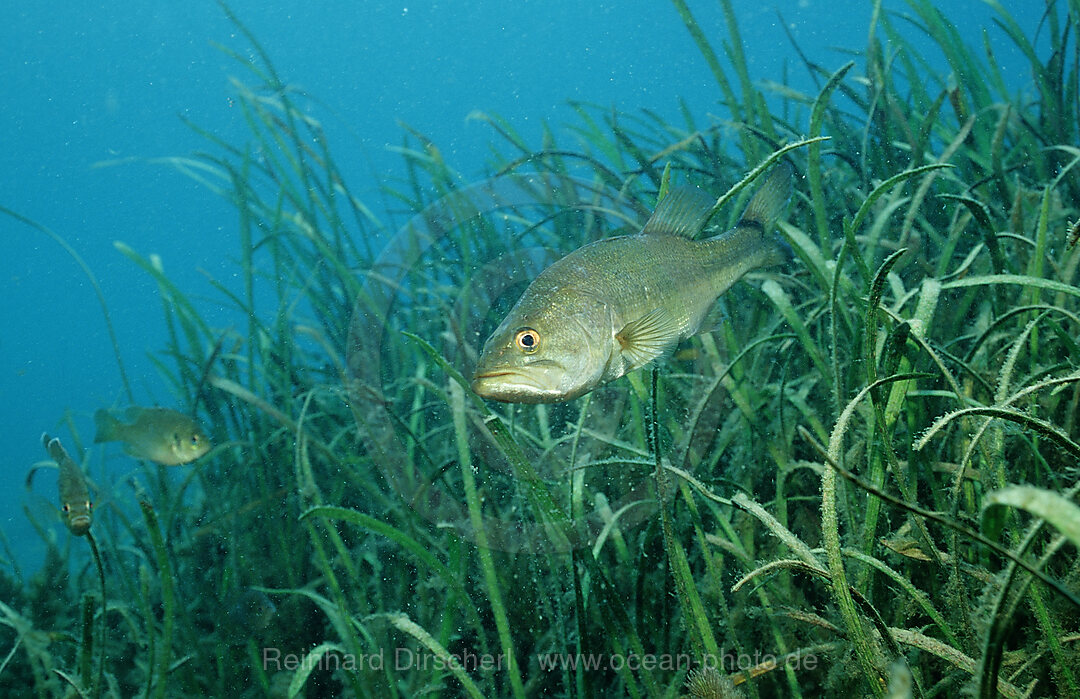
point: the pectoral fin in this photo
(648, 337)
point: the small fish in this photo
(619, 303)
(74, 495)
(154, 434)
(246, 613)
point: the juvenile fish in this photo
(619, 303)
(154, 434)
(74, 495)
(245, 614)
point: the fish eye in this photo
(527, 340)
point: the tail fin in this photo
(765, 208)
(106, 426)
(769, 201)
(56, 450)
(52, 447)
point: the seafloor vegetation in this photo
(863, 482)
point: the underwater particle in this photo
(74, 495)
(619, 303)
(708, 683)
(160, 435)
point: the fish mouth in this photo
(79, 524)
(510, 386)
(493, 374)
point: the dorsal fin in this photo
(682, 212)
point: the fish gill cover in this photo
(863, 480)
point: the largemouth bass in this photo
(619, 303)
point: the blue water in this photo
(97, 83)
